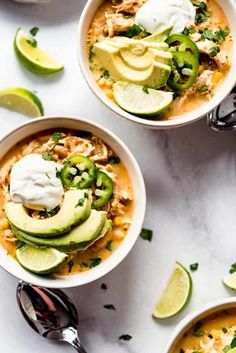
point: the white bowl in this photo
(225, 88)
(52, 122)
(205, 311)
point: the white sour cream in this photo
(157, 15)
(33, 183)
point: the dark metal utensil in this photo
(224, 116)
(50, 313)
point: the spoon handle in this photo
(71, 336)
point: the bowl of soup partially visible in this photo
(68, 201)
(159, 63)
(210, 329)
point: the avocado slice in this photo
(134, 63)
(159, 36)
(75, 209)
(82, 233)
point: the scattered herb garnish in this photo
(32, 42)
(194, 267)
(214, 51)
(105, 73)
(48, 214)
(226, 348)
(233, 343)
(84, 264)
(47, 175)
(233, 268)
(114, 160)
(109, 307)
(197, 332)
(224, 329)
(91, 53)
(34, 31)
(146, 234)
(94, 262)
(108, 245)
(134, 31)
(145, 89)
(58, 173)
(218, 36)
(47, 156)
(202, 89)
(188, 31)
(127, 16)
(104, 286)
(125, 337)
(70, 264)
(202, 13)
(56, 136)
(80, 202)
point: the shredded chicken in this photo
(78, 145)
(100, 150)
(205, 79)
(129, 6)
(206, 45)
(5, 170)
(117, 23)
(196, 37)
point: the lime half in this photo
(21, 100)
(230, 280)
(140, 100)
(33, 58)
(41, 261)
(176, 294)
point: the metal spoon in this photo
(50, 313)
(224, 116)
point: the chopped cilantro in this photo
(114, 160)
(224, 329)
(47, 156)
(233, 343)
(108, 245)
(134, 31)
(58, 173)
(34, 31)
(47, 214)
(202, 89)
(84, 264)
(214, 51)
(70, 264)
(104, 286)
(91, 53)
(47, 175)
(109, 307)
(194, 267)
(145, 89)
(32, 42)
(80, 202)
(233, 268)
(188, 31)
(221, 34)
(146, 234)
(94, 262)
(202, 13)
(127, 16)
(125, 337)
(57, 136)
(226, 348)
(207, 34)
(105, 73)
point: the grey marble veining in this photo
(190, 179)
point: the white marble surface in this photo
(190, 179)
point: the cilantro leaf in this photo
(125, 337)
(146, 234)
(34, 31)
(109, 307)
(47, 156)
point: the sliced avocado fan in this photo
(75, 209)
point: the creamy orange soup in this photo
(119, 208)
(212, 70)
(215, 333)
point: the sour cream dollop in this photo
(157, 15)
(33, 183)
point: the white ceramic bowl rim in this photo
(225, 88)
(203, 312)
(72, 122)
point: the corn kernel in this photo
(117, 221)
(217, 76)
(109, 94)
(217, 334)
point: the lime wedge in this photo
(41, 261)
(33, 58)
(176, 294)
(230, 280)
(140, 100)
(21, 100)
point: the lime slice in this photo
(176, 294)
(33, 58)
(230, 280)
(140, 100)
(41, 261)
(21, 100)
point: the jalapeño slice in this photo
(78, 172)
(184, 72)
(181, 42)
(103, 191)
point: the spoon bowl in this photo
(50, 312)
